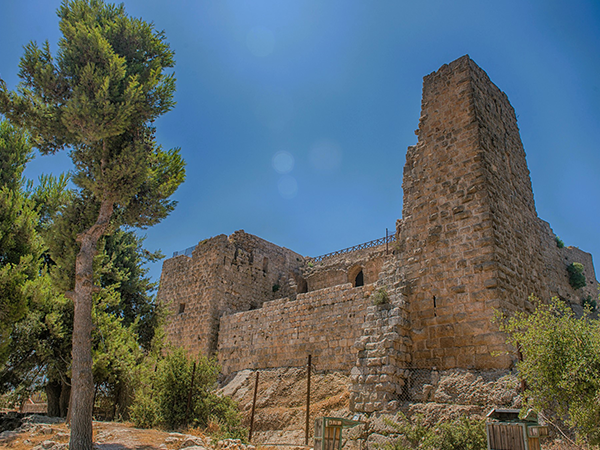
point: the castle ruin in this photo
(469, 243)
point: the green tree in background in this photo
(20, 245)
(126, 316)
(561, 364)
(99, 98)
(122, 265)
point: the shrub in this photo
(576, 276)
(460, 434)
(380, 297)
(165, 402)
(412, 434)
(589, 302)
(561, 363)
(559, 242)
(144, 412)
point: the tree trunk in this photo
(82, 383)
(53, 390)
(65, 397)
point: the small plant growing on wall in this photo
(559, 242)
(380, 297)
(589, 302)
(576, 276)
(276, 287)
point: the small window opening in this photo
(434, 306)
(359, 280)
(265, 264)
(181, 308)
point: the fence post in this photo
(253, 407)
(189, 402)
(386, 241)
(308, 369)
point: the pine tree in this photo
(20, 245)
(99, 98)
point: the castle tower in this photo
(470, 238)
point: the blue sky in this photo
(294, 116)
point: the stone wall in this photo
(384, 348)
(225, 274)
(557, 260)
(342, 269)
(323, 323)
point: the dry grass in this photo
(107, 435)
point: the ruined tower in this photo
(470, 238)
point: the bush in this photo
(380, 297)
(576, 276)
(145, 411)
(590, 303)
(165, 402)
(559, 242)
(561, 363)
(460, 434)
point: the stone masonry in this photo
(469, 243)
(224, 275)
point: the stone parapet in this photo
(323, 323)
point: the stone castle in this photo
(469, 243)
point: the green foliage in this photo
(41, 341)
(121, 265)
(576, 276)
(276, 287)
(125, 316)
(559, 242)
(561, 363)
(589, 303)
(20, 245)
(380, 297)
(116, 354)
(460, 434)
(163, 397)
(15, 153)
(99, 97)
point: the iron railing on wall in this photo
(365, 245)
(375, 243)
(187, 252)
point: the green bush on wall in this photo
(559, 242)
(589, 302)
(380, 297)
(576, 276)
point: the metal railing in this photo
(375, 243)
(187, 252)
(365, 245)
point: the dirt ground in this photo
(280, 414)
